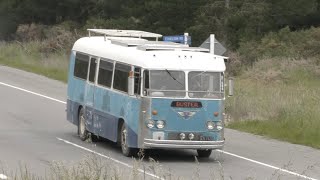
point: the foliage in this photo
(285, 43)
(233, 21)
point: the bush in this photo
(7, 27)
(30, 32)
(234, 64)
(120, 23)
(285, 43)
(52, 38)
(58, 39)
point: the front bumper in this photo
(183, 144)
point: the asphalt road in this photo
(34, 132)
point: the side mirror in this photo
(131, 85)
(231, 85)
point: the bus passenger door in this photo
(89, 93)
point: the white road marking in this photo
(267, 165)
(228, 153)
(37, 94)
(3, 177)
(110, 158)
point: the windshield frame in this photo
(145, 90)
(219, 94)
(166, 90)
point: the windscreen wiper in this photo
(173, 77)
(198, 74)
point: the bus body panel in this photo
(196, 124)
(111, 107)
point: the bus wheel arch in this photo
(82, 130)
(123, 139)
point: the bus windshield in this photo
(202, 84)
(205, 85)
(166, 83)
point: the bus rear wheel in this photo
(204, 153)
(126, 150)
(82, 130)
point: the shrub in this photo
(30, 32)
(285, 43)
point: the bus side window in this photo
(137, 80)
(105, 73)
(146, 82)
(121, 73)
(92, 71)
(81, 66)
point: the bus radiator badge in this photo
(186, 114)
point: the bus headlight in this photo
(191, 136)
(182, 136)
(150, 124)
(210, 125)
(219, 125)
(160, 124)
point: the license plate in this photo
(186, 104)
(206, 138)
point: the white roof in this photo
(171, 59)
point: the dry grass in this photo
(93, 167)
(280, 98)
(26, 56)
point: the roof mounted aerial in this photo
(124, 33)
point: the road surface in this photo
(34, 132)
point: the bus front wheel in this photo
(126, 150)
(204, 153)
(82, 131)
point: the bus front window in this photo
(205, 85)
(166, 83)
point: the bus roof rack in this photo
(152, 47)
(142, 42)
(124, 33)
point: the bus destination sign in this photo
(186, 104)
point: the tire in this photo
(127, 151)
(82, 130)
(204, 153)
(94, 138)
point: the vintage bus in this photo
(142, 93)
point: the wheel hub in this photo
(124, 139)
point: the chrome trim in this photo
(183, 144)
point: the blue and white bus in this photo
(146, 94)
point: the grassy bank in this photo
(26, 56)
(279, 98)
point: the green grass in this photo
(280, 99)
(294, 131)
(27, 56)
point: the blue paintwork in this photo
(72, 112)
(195, 124)
(103, 108)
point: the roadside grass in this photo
(27, 56)
(94, 167)
(279, 98)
